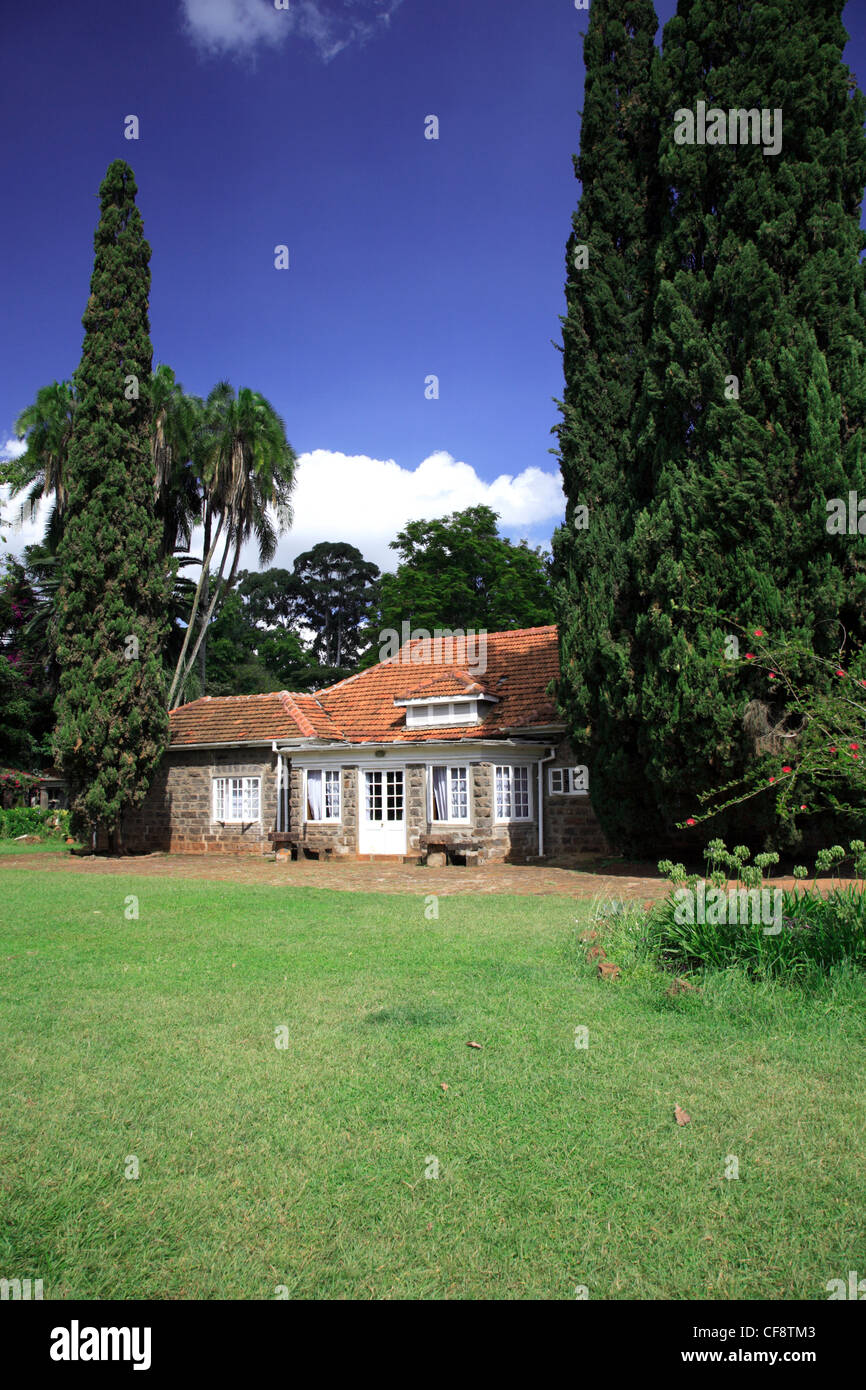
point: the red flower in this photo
(690, 821)
(759, 632)
(854, 746)
(772, 780)
(833, 749)
(840, 672)
(802, 808)
(786, 768)
(750, 656)
(772, 675)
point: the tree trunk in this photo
(202, 656)
(210, 611)
(205, 594)
(182, 670)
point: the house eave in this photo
(279, 745)
(542, 730)
(411, 701)
(234, 743)
(408, 747)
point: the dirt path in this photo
(633, 881)
(621, 881)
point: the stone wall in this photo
(176, 814)
(570, 826)
(339, 838)
(497, 843)
(416, 807)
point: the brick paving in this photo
(615, 879)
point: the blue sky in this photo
(408, 257)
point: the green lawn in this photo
(44, 847)
(305, 1166)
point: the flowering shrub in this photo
(812, 752)
(18, 783)
(809, 932)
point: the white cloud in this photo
(15, 537)
(366, 501)
(12, 449)
(241, 26)
(18, 527)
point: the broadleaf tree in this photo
(336, 589)
(458, 573)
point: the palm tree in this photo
(248, 472)
(177, 434)
(47, 427)
(225, 462)
(177, 438)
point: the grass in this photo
(304, 1167)
(44, 847)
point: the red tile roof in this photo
(454, 683)
(239, 719)
(518, 668)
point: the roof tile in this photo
(520, 666)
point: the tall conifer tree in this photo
(114, 590)
(754, 405)
(609, 261)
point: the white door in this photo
(383, 812)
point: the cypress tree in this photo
(113, 598)
(752, 414)
(609, 263)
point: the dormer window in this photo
(428, 714)
(448, 698)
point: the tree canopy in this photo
(748, 414)
(112, 725)
(457, 572)
(609, 296)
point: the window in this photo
(569, 781)
(449, 794)
(236, 799)
(383, 797)
(444, 712)
(323, 794)
(512, 793)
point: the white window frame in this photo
(437, 714)
(511, 769)
(225, 798)
(331, 777)
(453, 771)
(569, 778)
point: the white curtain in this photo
(440, 793)
(314, 796)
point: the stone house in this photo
(452, 748)
(48, 791)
